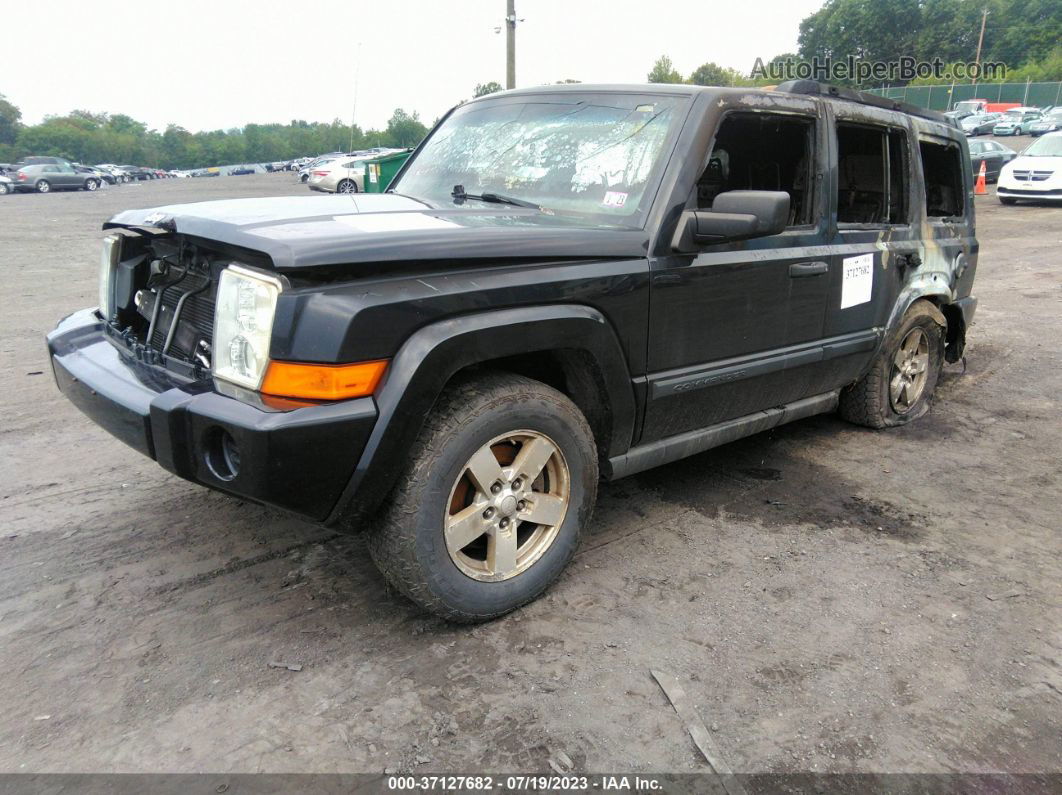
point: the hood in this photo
(1023, 163)
(310, 231)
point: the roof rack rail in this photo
(815, 88)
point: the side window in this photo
(872, 175)
(763, 151)
(942, 167)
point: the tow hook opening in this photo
(222, 454)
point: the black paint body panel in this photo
(686, 349)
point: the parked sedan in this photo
(981, 124)
(45, 178)
(1037, 174)
(993, 154)
(1051, 122)
(1016, 122)
(340, 176)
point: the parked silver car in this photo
(345, 175)
(47, 177)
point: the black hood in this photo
(309, 231)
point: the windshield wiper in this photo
(494, 198)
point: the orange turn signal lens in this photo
(322, 381)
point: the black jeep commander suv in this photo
(561, 284)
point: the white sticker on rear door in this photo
(615, 198)
(858, 280)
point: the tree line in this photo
(1023, 34)
(86, 137)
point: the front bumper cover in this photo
(299, 458)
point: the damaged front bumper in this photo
(298, 457)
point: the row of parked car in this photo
(43, 174)
(1016, 121)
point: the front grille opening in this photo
(167, 291)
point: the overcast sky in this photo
(209, 64)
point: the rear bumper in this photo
(299, 458)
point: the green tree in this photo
(482, 89)
(405, 129)
(712, 74)
(664, 72)
(10, 121)
(876, 30)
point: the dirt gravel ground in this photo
(831, 598)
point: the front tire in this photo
(1007, 200)
(91, 184)
(490, 507)
(899, 385)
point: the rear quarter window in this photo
(943, 171)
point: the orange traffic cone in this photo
(979, 186)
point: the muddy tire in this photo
(899, 386)
(490, 507)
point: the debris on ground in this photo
(288, 666)
(677, 696)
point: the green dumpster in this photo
(381, 170)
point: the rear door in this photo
(876, 237)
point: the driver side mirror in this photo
(735, 215)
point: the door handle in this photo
(801, 269)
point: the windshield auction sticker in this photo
(858, 282)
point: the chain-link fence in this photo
(1037, 95)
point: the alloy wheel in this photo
(910, 371)
(507, 506)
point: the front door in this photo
(736, 327)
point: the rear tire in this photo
(459, 535)
(899, 386)
(43, 186)
(347, 186)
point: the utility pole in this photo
(980, 41)
(354, 104)
(510, 43)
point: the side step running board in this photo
(664, 451)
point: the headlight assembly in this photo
(243, 324)
(112, 248)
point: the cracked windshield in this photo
(594, 157)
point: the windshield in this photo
(593, 156)
(1048, 146)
